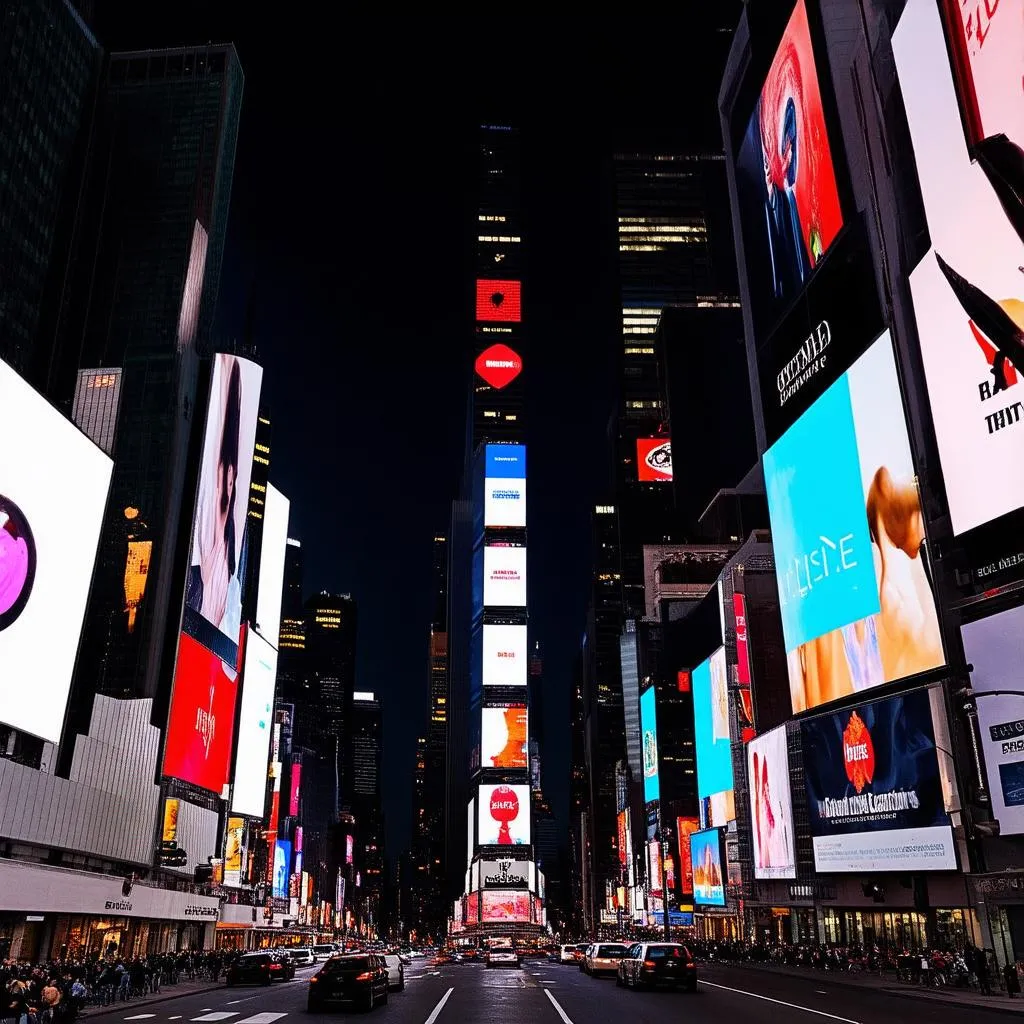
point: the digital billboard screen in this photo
(848, 532)
(53, 493)
(498, 366)
(504, 736)
(294, 788)
(654, 459)
(874, 789)
(714, 747)
(282, 868)
(505, 485)
(685, 827)
(994, 648)
(504, 906)
(505, 873)
(707, 854)
(498, 301)
(504, 815)
(256, 719)
(504, 576)
(505, 655)
(234, 842)
(771, 806)
(201, 722)
(649, 738)
(272, 551)
(785, 177)
(213, 593)
(967, 291)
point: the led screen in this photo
(505, 873)
(473, 908)
(504, 815)
(503, 737)
(201, 722)
(654, 459)
(706, 855)
(282, 865)
(685, 827)
(272, 549)
(771, 806)
(249, 793)
(504, 906)
(349, 849)
(504, 576)
(498, 366)
(505, 656)
(968, 291)
(649, 733)
(294, 788)
(654, 868)
(53, 492)
(505, 485)
(714, 747)
(785, 178)
(234, 838)
(213, 594)
(874, 789)
(994, 647)
(622, 825)
(857, 607)
(498, 300)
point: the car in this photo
(604, 957)
(349, 979)
(259, 969)
(396, 971)
(301, 956)
(581, 955)
(658, 965)
(502, 956)
(323, 951)
(567, 954)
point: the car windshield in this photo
(612, 952)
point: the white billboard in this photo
(255, 724)
(504, 502)
(505, 655)
(504, 576)
(771, 805)
(503, 816)
(504, 735)
(272, 549)
(53, 493)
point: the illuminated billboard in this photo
(498, 301)
(53, 492)
(685, 827)
(234, 841)
(848, 533)
(282, 868)
(505, 873)
(714, 747)
(504, 906)
(875, 796)
(498, 366)
(503, 737)
(707, 854)
(505, 655)
(654, 459)
(649, 737)
(504, 576)
(785, 177)
(505, 485)
(201, 722)
(504, 815)
(256, 719)
(967, 291)
(771, 806)
(213, 593)
(294, 788)
(272, 550)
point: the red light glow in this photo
(498, 300)
(498, 365)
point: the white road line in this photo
(178, 1017)
(436, 1012)
(233, 1002)
(141, 1016)
(219, 1015)
(780, 1002)
(558, 1009)
(262, 1018)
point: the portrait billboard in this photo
(967, 291)
(685, 827)
(294, 788)
(201, 722)
(504, 815)
(272, 551)
(649, 738)
(622, 824)
(504, 655)
(504, 576)
(874, 789)
(655, 880)
(848, 533)
(213, 593)
(53, 493)
(234, 841)
(714, 747)
(282, 868)
(707, 854)
(773, 835)
(504, 906)
(256, 718)
(504, 736)
(654, 459)
(498, 301)
(785, 177)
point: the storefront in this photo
(48, 912)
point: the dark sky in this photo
(350, 228)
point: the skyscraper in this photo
(363, 753)
(97, 403)
(254, 516)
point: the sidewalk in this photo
(183, 988)
(999, 1003)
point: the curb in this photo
(92, 1012)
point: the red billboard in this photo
(654, 459)
(505, 906)
(498, 300)
(201, 722)
(499, 366)
(685, 827)
(295, 788)
(739, 609)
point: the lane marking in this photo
(558, 1009)
(436, 1012)
(141, 1016)
(178, 1017)
(233, 1002)
(262, 1018)
(820, 992)
(780, 1002)
(220, 1015)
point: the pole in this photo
(663, 836)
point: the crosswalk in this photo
(266, 1017)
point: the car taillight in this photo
(690, 963)
(275, 967)
(649, 964)
(313, 979)
(365, 976)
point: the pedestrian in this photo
(981, 969)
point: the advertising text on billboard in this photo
(504, 576)
(504, 655)
(504, 815)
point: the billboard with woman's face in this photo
(771, 806)
(213, 596)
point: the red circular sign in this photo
(499, 366)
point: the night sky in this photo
(351, 236)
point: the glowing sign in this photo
(498, 365)
(498, 300)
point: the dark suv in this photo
(658, 965)
(352, 979)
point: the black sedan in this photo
(658, 965)
(260, 969)
(352, 979)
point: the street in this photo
(544, 993)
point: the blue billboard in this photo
(649, 737)
(505, 462)
(707, 856)
(709, 681)
(282, 867)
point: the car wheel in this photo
(371, 1000)
(387, 995)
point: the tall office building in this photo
(49, 73)
(254, 516)
(96, 405)
(363, 755)
(293, 619)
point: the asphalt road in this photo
(543, 993)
